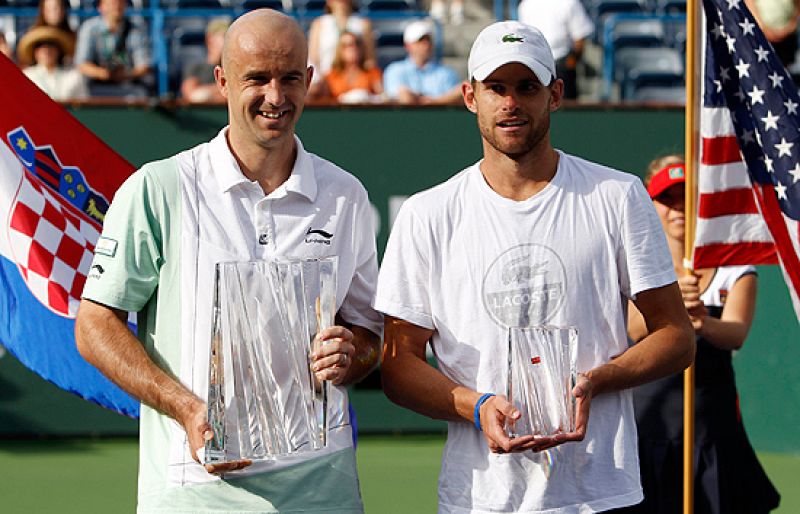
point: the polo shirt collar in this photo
(302, 180)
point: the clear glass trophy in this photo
(541, 376)
(263, 398)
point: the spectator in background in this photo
(438, 10)
(4, 48)
(198, 83)
(419, 79)
(43, 49)
(323, 37)
(349, 81)
(778, 20)
(720, 303)
(566, 26)
(113, 53)
(53, 13)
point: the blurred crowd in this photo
(110, 55)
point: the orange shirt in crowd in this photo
(340, 82)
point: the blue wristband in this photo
(476, 413)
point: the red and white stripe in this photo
(730, 228)
(738, 223)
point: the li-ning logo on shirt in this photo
(324, 237)
(512, 38)
(96, 271)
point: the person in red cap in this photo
(720, 301)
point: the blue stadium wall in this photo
(396, 152)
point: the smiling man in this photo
(251, 193)
(527, 236)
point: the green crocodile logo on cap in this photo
(512, 38)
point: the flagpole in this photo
(691, 141)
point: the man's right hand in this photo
(198, 431)
(494, 413)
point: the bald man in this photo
(251, 193)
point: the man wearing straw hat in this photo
(250, 194)
(528, 237)
(42, 50)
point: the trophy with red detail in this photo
(541, 376)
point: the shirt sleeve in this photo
(84, 46)
(403, 284)
(643, 257)
(451, 79)
(392, 79)
(357, 305)
(140, 48)
(128, 256)
(579, 24)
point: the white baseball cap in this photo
(511, 41)
(418, 29)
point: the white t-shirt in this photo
(468, 263)
(561, 22)
(721, 284)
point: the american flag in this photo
(748, 191)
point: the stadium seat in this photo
(388, 34)
(599, 9)
(23, 3)
(186, 45)
(249, 5)
(387, 5)
(177, 5)
(640, 60)
(640, 33)
(308, 7)
(670, 6)
(663, 94)
(639, 67)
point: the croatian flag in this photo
(748, 190)
(56, 181)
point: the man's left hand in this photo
(582, 392)
(333, 354)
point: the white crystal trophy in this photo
(541, 376)
(263, 398)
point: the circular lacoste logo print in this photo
(524, 286)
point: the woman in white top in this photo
(326, 30)
(44, 48)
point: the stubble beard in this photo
(517, 151)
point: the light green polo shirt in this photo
(166, 228)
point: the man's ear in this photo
(468, 93)
(222, 82)
(556, 94)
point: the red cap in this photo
(665, 178)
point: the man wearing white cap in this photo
(419, 78)
(527, 236)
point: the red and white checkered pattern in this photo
(53, 245)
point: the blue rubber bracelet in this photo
(476, 413)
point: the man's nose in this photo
(273, 93)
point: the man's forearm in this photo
(365, 357)
(105, 342)
(414, 384)
(664, 352)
